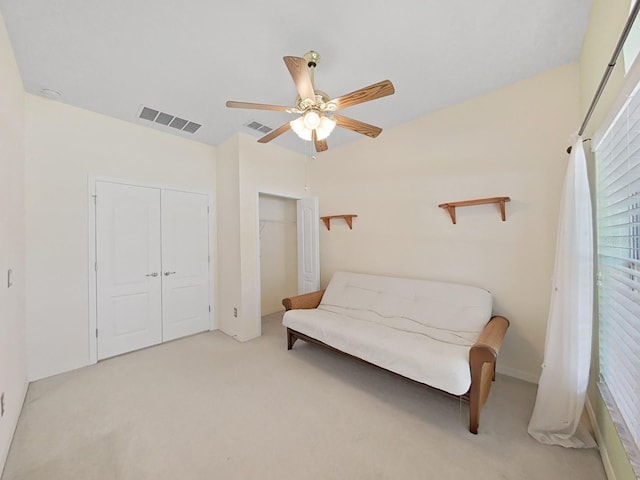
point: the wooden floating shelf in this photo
(347, 218)
(451, 206)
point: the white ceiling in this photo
(188, 57)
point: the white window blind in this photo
(618, 233)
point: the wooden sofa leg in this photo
(291, 339)
(474, 410)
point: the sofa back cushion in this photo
(409, 304)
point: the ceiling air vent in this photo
(169, 120)
(258, 126)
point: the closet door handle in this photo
(166, 274)
(154, 274)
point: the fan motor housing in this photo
(322, 102)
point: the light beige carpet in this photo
(208, 407)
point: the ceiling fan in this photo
(316, 118)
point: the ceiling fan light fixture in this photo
(323, 126)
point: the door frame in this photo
(273, 193)
(91, 258)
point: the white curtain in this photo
(567, 351)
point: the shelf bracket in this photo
(452, 213)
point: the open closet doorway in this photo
(278, 251)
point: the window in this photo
(631, 45)
(618, 233)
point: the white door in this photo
(128, 268)
(308, 245)
(185, 264)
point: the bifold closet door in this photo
(128, 254)
(185, 264)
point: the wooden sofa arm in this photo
(482, 362)
(492, 335)
(304, 301)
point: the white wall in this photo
(228, 234)
(66, 145)
(13, 370)
(263, 169)
(510, 142)
(278, 252)
(246, 169)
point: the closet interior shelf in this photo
(451, 206)
(347, 218)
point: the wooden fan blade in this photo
(257, 106)
(377, 90)
(357, 126)
(321, 145)
(276, 133)
(300, 73)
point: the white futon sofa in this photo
(439, 334)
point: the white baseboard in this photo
(608, 468)
(519, 374)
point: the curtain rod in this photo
(612, 63)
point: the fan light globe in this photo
(300, 128)
(325, 128)
(311, 119)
